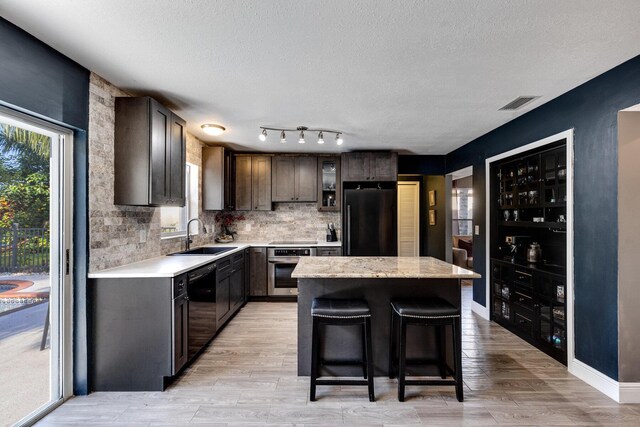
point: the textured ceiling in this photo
(417, 76)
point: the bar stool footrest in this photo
(342, 382)
(341, 362)
(430, 382)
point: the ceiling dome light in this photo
(320, 138)
(263, 136)
(301, 140)
(339, 139)
(213, 130)
(282, 138)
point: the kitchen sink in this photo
(207, 250)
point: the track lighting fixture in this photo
(263, 135)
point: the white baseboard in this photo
(624, 392)
(595, 379)
(480, 310)
(629, 393)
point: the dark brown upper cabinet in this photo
(149, 154)
(253, 183)
(218, 179)
(294, 179)
(370, 166)
(329, 186)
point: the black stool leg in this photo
(369, 355)
(365, 356)
(441, 335)
(392, 345)
(457, 357)
(402, 359)
(315, 348)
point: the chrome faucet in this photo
(204, 230)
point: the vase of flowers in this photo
(225, 222)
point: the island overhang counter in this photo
(376, 280)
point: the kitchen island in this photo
(376, 280)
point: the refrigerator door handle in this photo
(348, 229)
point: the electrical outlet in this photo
(247, 227)
(477, 230)
(143, 236)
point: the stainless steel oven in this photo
(282, 261)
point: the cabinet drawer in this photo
(237, 260)
(523, 321)
(523, 298)
(329, 251)
(523, 277)
(224, 264)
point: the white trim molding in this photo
(620, 392)
(568, 136)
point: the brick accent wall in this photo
(114, 231)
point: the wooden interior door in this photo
(409, 218)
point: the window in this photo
(462, 211)
(173, 219)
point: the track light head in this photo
(263, 135)
(320, 138)
(301, 140)
(282, 138)
(339, 139)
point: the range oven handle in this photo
(292, 260)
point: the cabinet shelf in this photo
(531, 224)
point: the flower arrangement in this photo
(225, 222)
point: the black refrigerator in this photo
(369, 224)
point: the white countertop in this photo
(171, 266)
(379, 267)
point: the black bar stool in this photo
(341, 312)
(426, 312)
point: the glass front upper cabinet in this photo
(329, 193)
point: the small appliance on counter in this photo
(331, 233)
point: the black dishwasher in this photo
(201, 291)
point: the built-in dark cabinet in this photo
(528, 210)
(294, 179)
(218, 179)
(530, 302)
(258, 272)
(180, 332)
(329, 185)
(253, 183)
(370, 166)
(149, 154)
(223, 284)
(229, 286)
(138, 332)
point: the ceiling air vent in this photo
(519, 102)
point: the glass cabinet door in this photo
(329, 183)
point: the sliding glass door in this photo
(35, 267)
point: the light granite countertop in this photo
(171, 266)
(379, 267)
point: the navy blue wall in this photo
(421, 165)
(39, 81)
(591, 110)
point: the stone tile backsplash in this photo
(124, 234)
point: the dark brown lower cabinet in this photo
(180, 332)
(258, 272)
(530, 302)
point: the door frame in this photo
(61, 364)
(485, 311)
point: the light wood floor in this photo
(248, 375)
